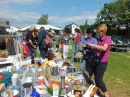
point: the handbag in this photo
(78, 55)
(94, 60)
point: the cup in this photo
(15, 74)
(14, 80)
(41, 80)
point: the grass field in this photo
(117, 77)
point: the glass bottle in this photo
(63, 91)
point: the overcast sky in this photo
(23, 13)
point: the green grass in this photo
(125, 53)
(117, 76)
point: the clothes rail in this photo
(10, 36)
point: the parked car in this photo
(119, 39)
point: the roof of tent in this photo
(47, 27)
(12, 29)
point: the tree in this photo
(85, 26)
(115, 14)
(43, 19)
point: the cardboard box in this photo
(2, 88)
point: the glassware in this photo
(63, 91)
(29, 73)
(39, 72)
(62, 82)
(13, 69)
(41, 80)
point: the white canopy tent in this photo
(12, 29)
(47, 27)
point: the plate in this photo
(79, 87)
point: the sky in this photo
(22, 13)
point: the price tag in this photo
(55, 90)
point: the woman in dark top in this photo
(29, 37)
(31, 41)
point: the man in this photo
(41, 43)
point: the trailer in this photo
(120, 47)
(4, 24)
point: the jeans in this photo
(43, 52)
(83, 64)
(74, 52)
(65, 51)
(99, 72)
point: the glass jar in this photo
(13, 69)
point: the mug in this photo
(14, 80)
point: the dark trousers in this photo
(11, 48)
(43, 52)
(98, 73)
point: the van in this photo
(4, 24)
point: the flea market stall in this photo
(50, 77)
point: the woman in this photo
(103, 48)
(77, 40)
(35, 36)
(65, 41)
(88, 38)
(35, 40)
